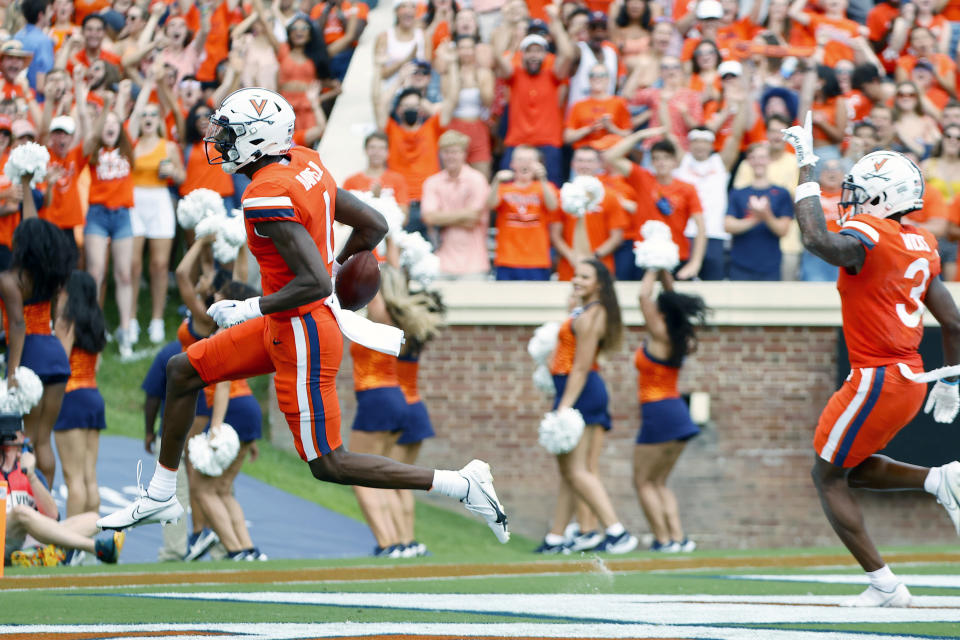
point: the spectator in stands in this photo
(402, 43)
(37, 14)
(812, 267)
(61, 202)
(666, 426)
(88, 46)
(839, 36)
(523, 199)
(664, 198)
(32, 511)
(684, 105)
(646, 65)
(881, 117)
(535, 77)
(708, 15)
(513, 27)
(303, 62)
(705, 71)
(942, 174)
(181, 52)
(157, 163)
(600, 119)
(63, 25)
(413, 127)
(915, 127)
(341, 22)
(261, 67)
(951, 114)
(198, 173)
(455, 202)
(631, 25)
(719, 115)
(821, 94)
(587, 55)
(473, 104)
(598, 232)
(377, 179)
(867, 90)
(13, 60)
(925, 56)
(758, 216)
(82, 331)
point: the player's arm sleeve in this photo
(268, 202)
(862, 231)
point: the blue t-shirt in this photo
(40, 45)
(758, 250)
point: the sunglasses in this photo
(908, 94)
(668, 67)
(705, 52)
(952, 137)
(599, 75)
(727, 76)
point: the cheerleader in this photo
(420, 316)
(666, 426)
(41, 264)
(82, 332)
(593, 328)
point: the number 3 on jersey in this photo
(912, 319)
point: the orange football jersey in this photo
(882, 305)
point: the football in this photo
(358, 280)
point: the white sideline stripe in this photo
(268, 201)
(303, 404)
(615, 608)
(911, 580)
(840, 426)
(864, 228)
(295, 631)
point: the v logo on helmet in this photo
(260, 104)
(876, 163)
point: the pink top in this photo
(462, 250)
(650, 97)
(186, 62)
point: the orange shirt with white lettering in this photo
(414, 153)
(523, 237)
(111, 182)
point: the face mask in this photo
(410, 116)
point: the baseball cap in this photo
(63, 123)
(21, 128)
(709, 9)
(701, 134)
(423, 65)
(730, 68)
(533, 39)
(598, 17)
(923, 63)
(537, 26)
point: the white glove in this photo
(227, 313)
(943, 401)
(801, 139)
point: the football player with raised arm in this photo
(888, 276)
(293, 328)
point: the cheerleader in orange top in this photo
(665, 420)
(82, 331)
(593, 328)
(420, 316)
(42, 262)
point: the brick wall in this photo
(743, 483)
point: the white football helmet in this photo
(250, 123)
(882, 184)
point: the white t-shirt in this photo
(710, 178)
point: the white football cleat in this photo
(481, 498)
(873, 597)
(143, 510)
(948, 493)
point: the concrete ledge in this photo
(770, 304)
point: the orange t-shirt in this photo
(882, 304)
(83, 8)
(535, 116)
(934, 206)
(372, 369)
(624, 191)
(944, 64)
(523, 237)
(840, 33)
(830, 203)
(414, 153)
(952, 11)
(217, 45)
(829, 111)
(199, 173)
(756, 133)
(65, 209)
(673, 205)
(8, 223)
(334, 29)
(598, 223)
(391, 184)
(590, 110)
(858, 105)
(83, 59)
(111, 182)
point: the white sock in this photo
(932, 483)
(450, 483)
(554, 539)
(883, 579)
(615, 529)
(163, 484)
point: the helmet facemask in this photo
(222, 137)
(852, 198)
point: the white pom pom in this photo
(581, 195)
(544, 341)
(9, 402)
(593, 189)
(416, 254)
(560, 431)
(657, 250)
(201, 456)
(29, 389)
(224, 252)
(197, 205)
(543, 380)
(225, 445)
(27, 158)
(208, 226)
(233, 230)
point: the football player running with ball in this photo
(888, 276)
(293, 329)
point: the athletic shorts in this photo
(45, 355)
(152, 215)
(593, 401)
(865, 414)
(81, 409)
(380, 409)
(416, 425)
(304, 351)
(665, 420)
